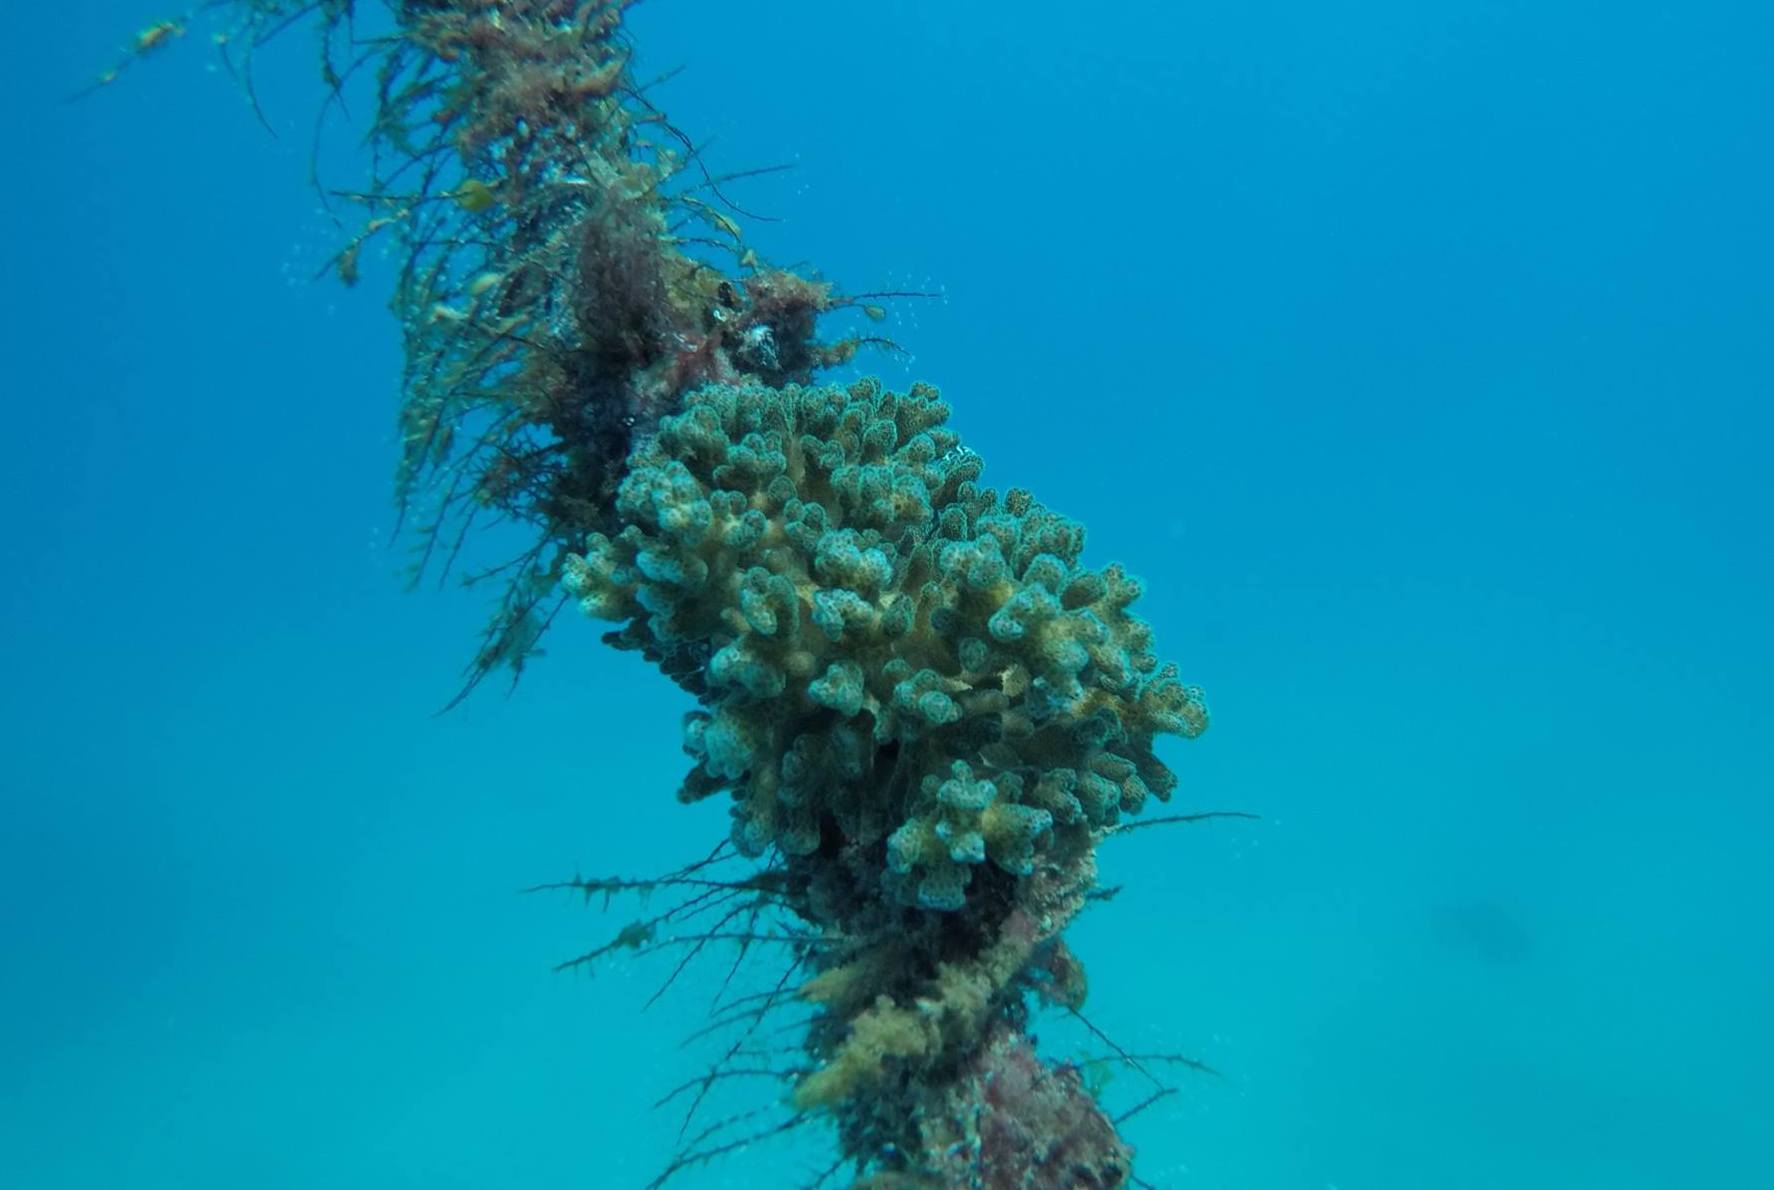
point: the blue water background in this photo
(1417, 355)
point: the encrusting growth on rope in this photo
(923, 708)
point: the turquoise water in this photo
(1416, 356)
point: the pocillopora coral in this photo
(885, 651)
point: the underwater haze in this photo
(1417, 357)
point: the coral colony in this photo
(925, 712)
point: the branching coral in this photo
(889, 655)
